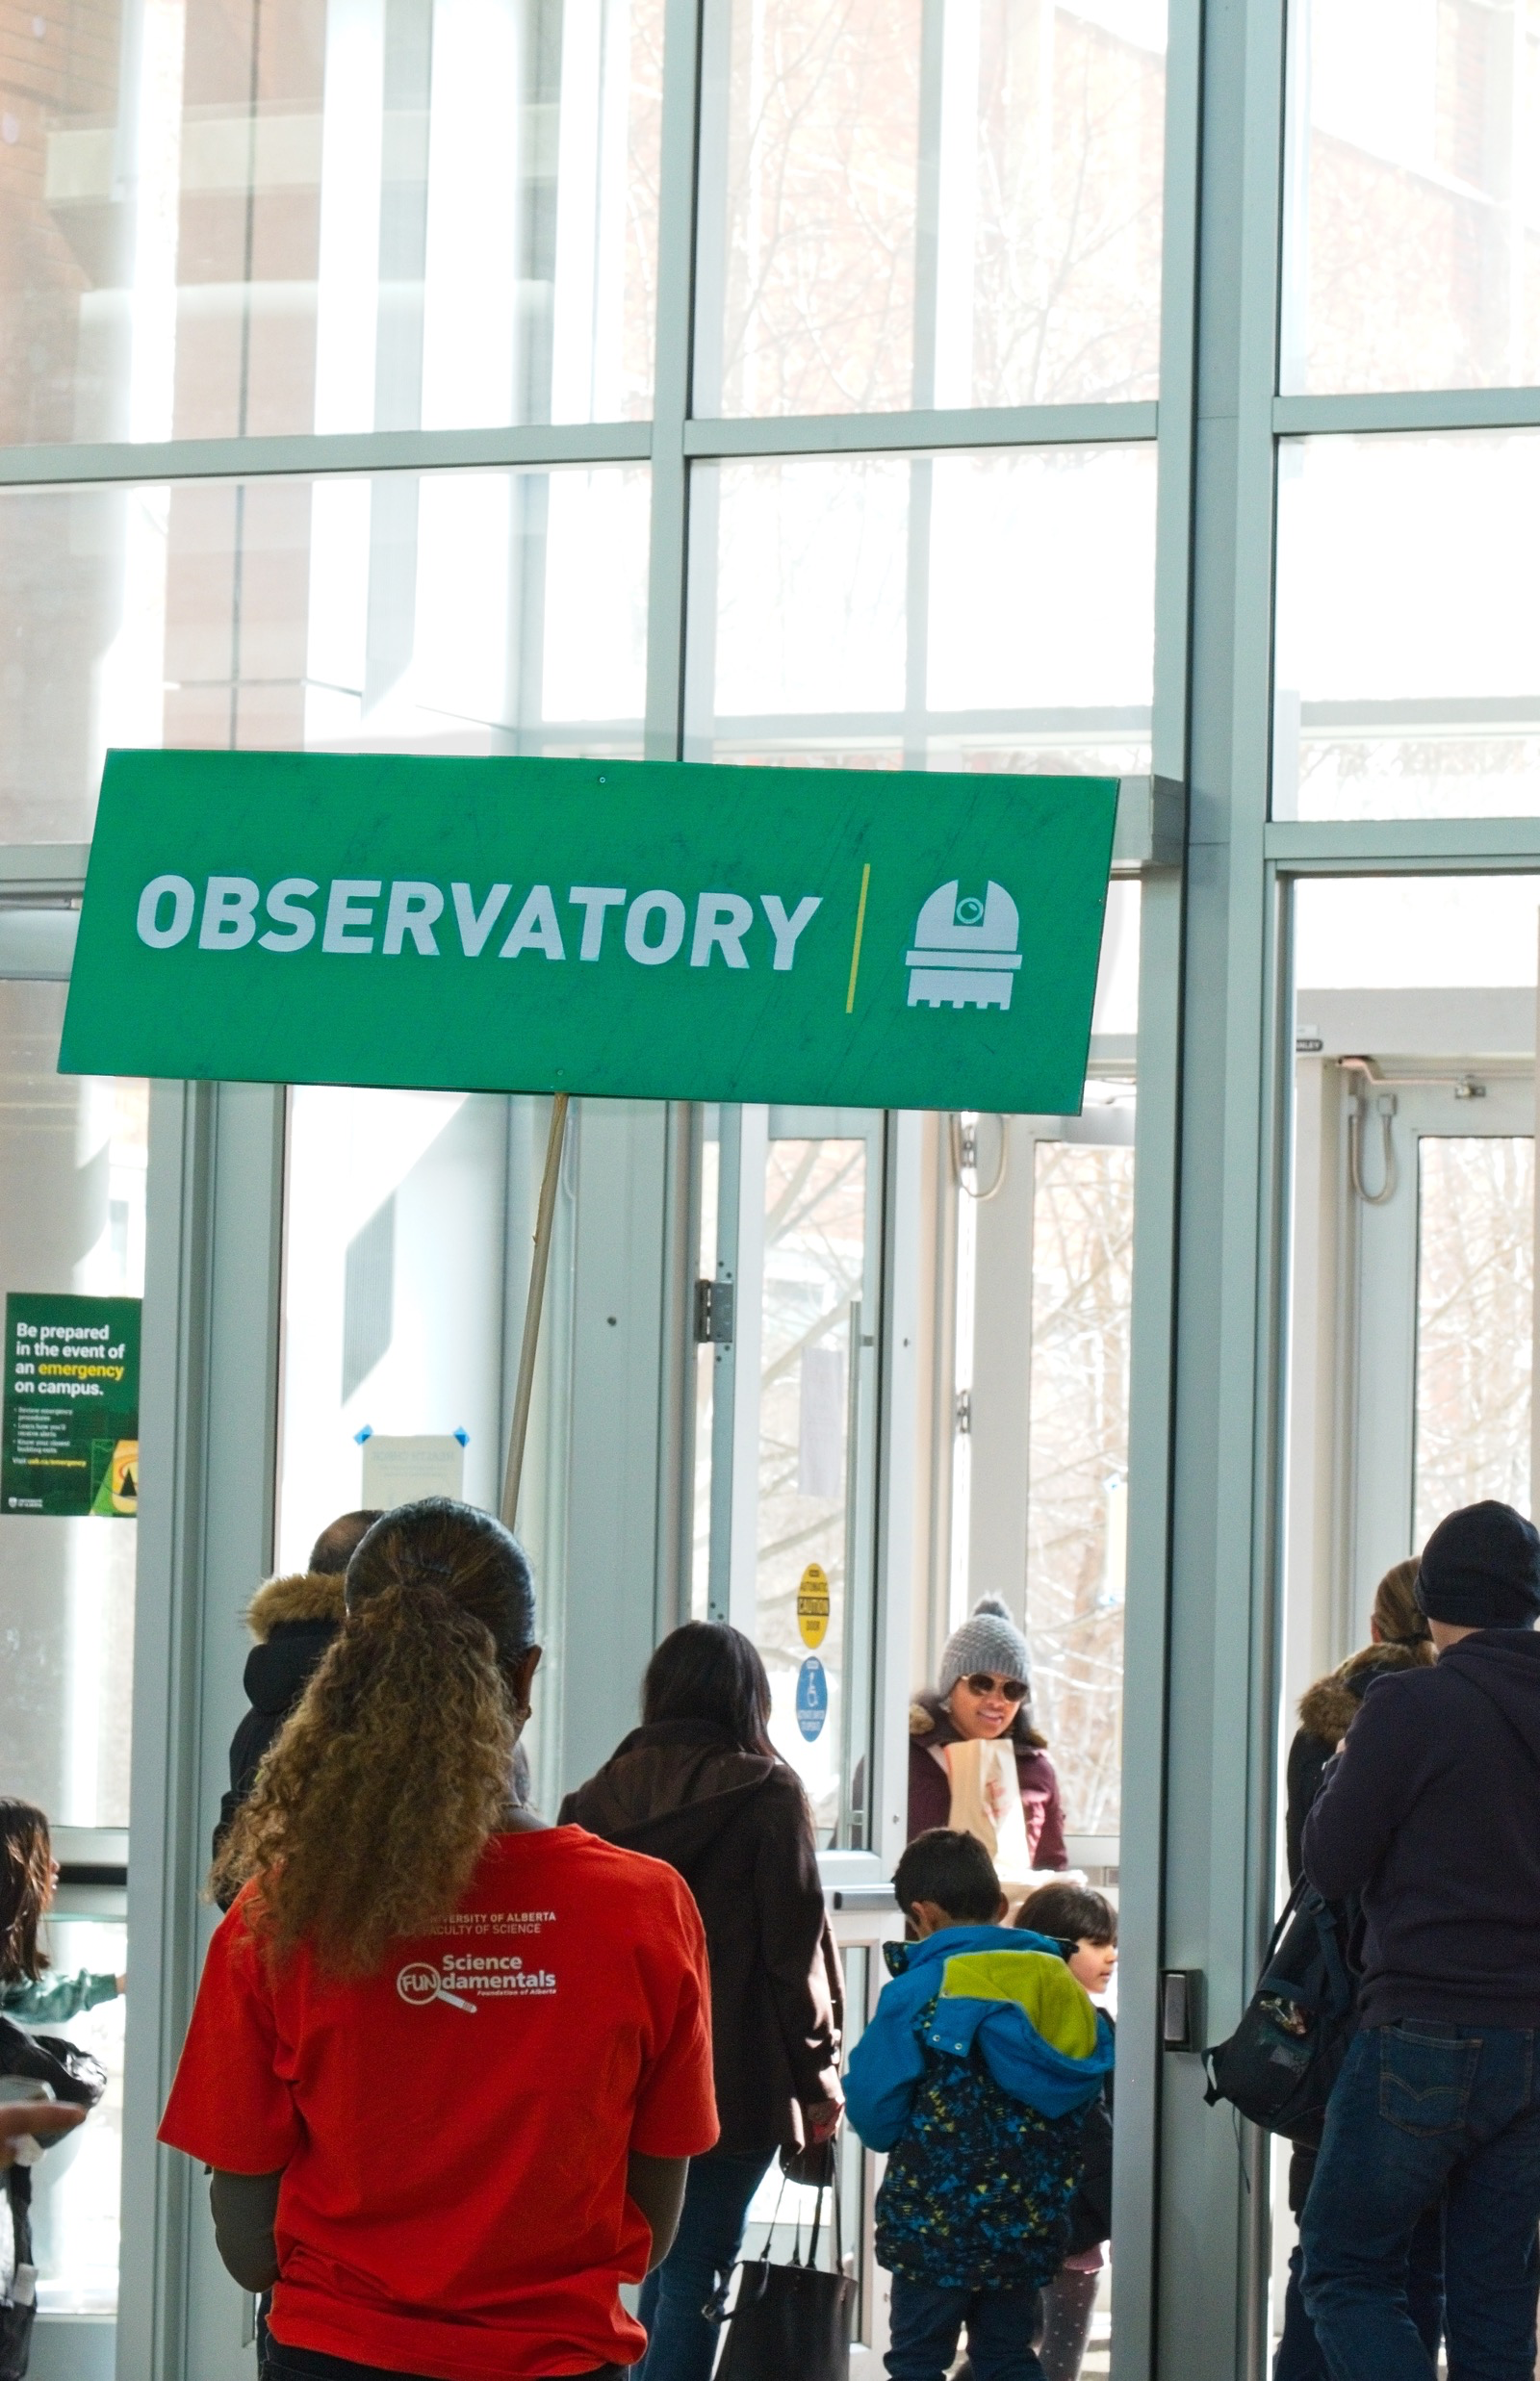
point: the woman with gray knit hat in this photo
(983, 1698)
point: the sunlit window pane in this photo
(1408, 626)
(897, 212)
(816, 1235)
(476, 613)
(1077, 1466)
(962, 612)
(1475, 1318)
(1412, 243)
(329, 214)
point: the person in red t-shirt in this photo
(448, 2063)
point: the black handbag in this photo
(70, 2073)
(791, 2322)
(1280, 2064)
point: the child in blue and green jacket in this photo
(973, 2075)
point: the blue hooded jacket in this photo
(888, 2062)
(974, 2075)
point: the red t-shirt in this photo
(453, 2130)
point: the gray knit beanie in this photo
(989, 1641)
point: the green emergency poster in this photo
(71, 1406)
(632, 930)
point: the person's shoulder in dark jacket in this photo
(293, 1620)
(1327, 1710)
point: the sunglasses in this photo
(982, 1683)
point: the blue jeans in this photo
(681, 2340)
(1420, 2111)
(1299, 2357)
(927, 2322)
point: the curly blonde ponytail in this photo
(371, 1811)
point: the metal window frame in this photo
(1210, 1287)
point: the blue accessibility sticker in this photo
(812, 1698)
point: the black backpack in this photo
(1280, 2064)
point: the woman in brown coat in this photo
(699, 1784)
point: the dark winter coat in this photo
(930, 1727)
(1327, 1711)
(1431, 1814)
(736, 1826)
(293, 1621)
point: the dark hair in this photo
(711, 1672)
(372, 1811)
(337, 1543)
(26, 1873)
(1072, 1913)
(440, 1540)
(951, 1868)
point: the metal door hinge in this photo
(962, 1413)
(714, 1313)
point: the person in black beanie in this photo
(1431, 1815)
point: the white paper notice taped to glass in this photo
(400, 1470)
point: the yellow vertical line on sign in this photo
(860, 927)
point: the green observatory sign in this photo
(623, 929)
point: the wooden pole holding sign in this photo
(524, 1390)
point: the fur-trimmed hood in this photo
(299, 1595)
(293, 1621)
(1328, 1708)
(930, 1721)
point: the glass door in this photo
(1441, 1194)
(72, 1185)
(789, 1314)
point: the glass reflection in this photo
(476, 613)
(289, 216)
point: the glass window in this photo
(72, 1176)
(75, 2190)
(433, 612)
(1474, 1312)
(949, 205)
(1077, 1468)
(786, 1432)
(328, 214)
(73, 1156)
(960, 611)
(1408, 626)
(407, 1224)
(1412, 224)
(819, 1328)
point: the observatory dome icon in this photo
(965, 953)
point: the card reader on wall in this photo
(1181, 2008)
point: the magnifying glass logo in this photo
(419, 1983)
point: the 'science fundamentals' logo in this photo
(465, 1978)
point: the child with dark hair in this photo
(1084, 1925)
(28, 1875)
(973, 2075)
